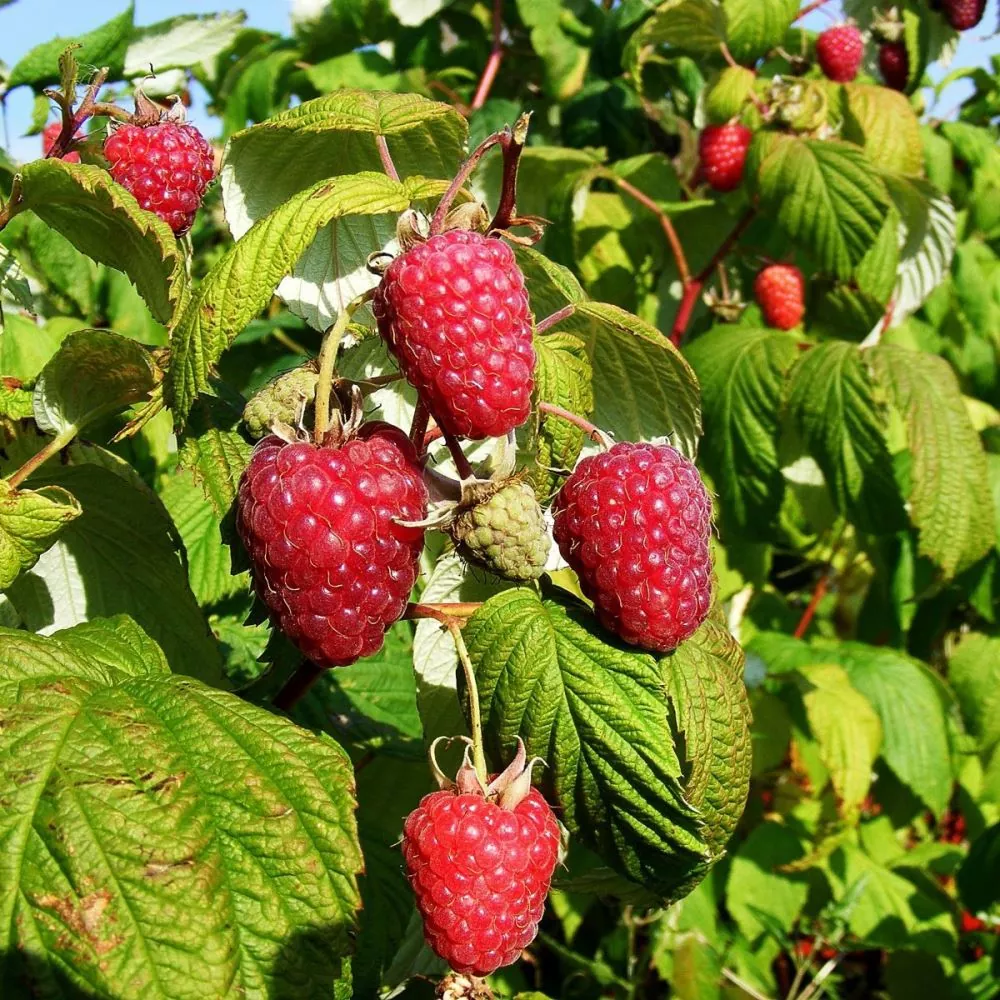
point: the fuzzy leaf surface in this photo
(29, 521)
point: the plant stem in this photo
(52, 447)
(493, 63)
(513, 146)
(458, 457)
(694, 288)
(810, 7)
(297, 686)
(14, 203)
(591, 430)
(383, 152)
(328, 364)
(418, 427)
(475, 713)
(557, 317)
(822, 585)
(668, 227)
(463, 175)
(443, 612)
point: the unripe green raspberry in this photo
(283, 400)
(502, 528)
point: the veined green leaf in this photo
(181, 42)
(563, 52)
(974, 672)
(883, 123)
(29, 521)
(756, 26)
(694, 27)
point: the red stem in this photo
(810, 7)
(665, 224)
(386, 156)
(819, 593)
(458, 457)
(591, 430)
(493, 63)
(418, 427)
(297, 686)
(555, 318)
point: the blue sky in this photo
(26, 23)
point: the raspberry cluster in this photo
(322, 526)
(167, 167)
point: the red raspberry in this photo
(894, 62)
(970, 923)
(840, 50)
(481, 874)
(781, 291)
(455, 313)
(723, 153)
(322, 527)
(167, 167)
(634, 523)
(49, 136)
(963, 14)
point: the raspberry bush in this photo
(500, 500)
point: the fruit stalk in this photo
(591, 430)
(512, 149)
(437, 222)
(53, 447)
(297, 686)
(475, 715)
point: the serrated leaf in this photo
(550, 285)
(728, 93)
(14, 283)
(754, 27)
(823, 195)
(950, 500)
(26, 347)
(832, 404)
(102, 220)
(181, 42)
(243, 281)
(563, 56)
(104, 46)
(704, 676)
(162, 836)
(883, 123)
(743, 373)
(118, 557)
(15, 402)
(974, 673)
(596, 712)
(29, 521)
(644, 390)
(695, 27)
(94, 373)
(563, 377)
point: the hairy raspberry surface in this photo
(894, 63)
(167, 167)
(634, 523)
(284, 399)
(963, 14)
(481, 874)
(52, 132)
(454, 312)
(840, 50)
(321, 525)
(781, 292)
(723, 153)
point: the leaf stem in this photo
(475, 712)
(809, 8)
(591, 430)
(819, 592)
(493, 63)
(443, 613)
(387, 163)
(557, 317)
(297, 686)
(328, 364)
(52, 447)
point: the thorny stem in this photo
(328, 364)
(463, 175)
(591, 430)
(458, 457)
(493, 63)
(387, 163)
(475, 715)
(297, 686)
(52, 447)
(668, 227)
(71, 122)
(513, 146)
(694, 288)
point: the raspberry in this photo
(781, 291)
(723, 152)
(500, 527)
(283, 400)
(963, 14)
(166, 167)
(454, 312)
(840, 50)
(894, 62)
(49, 136)
(634, 523)
(480, 873)
(330, 558)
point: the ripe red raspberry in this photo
(963, 14)
(840, 50)
(634, 523)
(723, 153)
(166, 166)
(480, 873)
(49, 136)
(330, 558)
(894, 62)
(455, 313)
(781, 291)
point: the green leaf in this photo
(181, 42)
(757, 26)
(596, 713)
(102, 220)
(950, 502)
(550, 285)
(94, 373)
(832, 404)
(974, 672)
(161, 836)
(564, 378)
(15, 401)
(118, 557)
(979, 876)
(695, 27)
(823, 195)
(29, 521)
(26, 347)
(243, 281)
(13, 283)
(727, 95)
(845, 727)
(563, 56)
(704, 676)
(644, 390)
(367, 69)
(883, 123)
(743, 373)
(104, 46)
